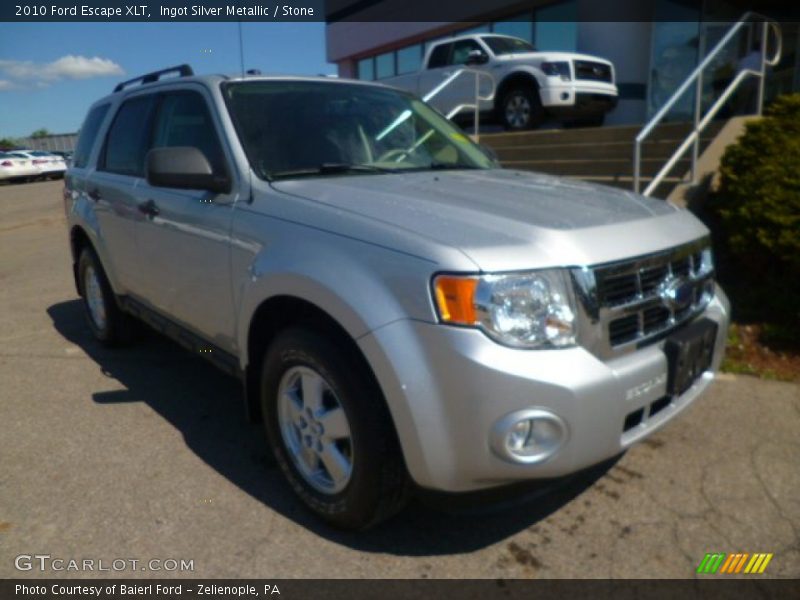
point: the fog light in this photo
(528, 436)
(565, 95)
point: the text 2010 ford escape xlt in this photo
(399, 308)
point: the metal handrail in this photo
(700, 122)
(478, 98)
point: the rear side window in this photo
(440, 56)
(184, 120)
(88, 134)
(127, 139)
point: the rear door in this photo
(112, 189)
(184, 242)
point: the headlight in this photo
(524, 310)
(556, 69)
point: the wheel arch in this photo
(78, 240)
(281, 312)
(512, 80)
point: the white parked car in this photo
(530, 84)
(14, 168)
(48, 165)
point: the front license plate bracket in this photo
(689, 353)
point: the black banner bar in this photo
(334, 11)
(708, 588)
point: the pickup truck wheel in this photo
(521, 108)
(107, 322)
(330, 430)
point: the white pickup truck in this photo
(530, 84)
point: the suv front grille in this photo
(636, 301)
(594, 71)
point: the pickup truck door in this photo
(437, 69)
(183, 240)
(462, 89)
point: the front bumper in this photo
(447, 387)
(579, 98)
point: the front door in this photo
(184, 240)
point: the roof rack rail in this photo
(182, 70)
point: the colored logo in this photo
(719, 563)
(677, 293)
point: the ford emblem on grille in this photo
(676, 293)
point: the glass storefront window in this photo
(384, 65)
(409, 59)
(366, 69)
(520, 27)
(556, 27)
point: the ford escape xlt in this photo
(398, 308)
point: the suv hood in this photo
(491, 215)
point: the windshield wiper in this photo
(441, 166)
(331, 169)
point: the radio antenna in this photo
(241, 48)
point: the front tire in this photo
(521, 108)
(107, 322)
(330, 430)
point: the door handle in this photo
(446, 74)
(148, 208)
(94, 194)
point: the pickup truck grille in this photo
(593, 71)
(637, 301)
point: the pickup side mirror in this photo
(184, 167)
(477, 57)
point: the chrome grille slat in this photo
(629, 306)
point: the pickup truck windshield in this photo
(317, 128)
(507, 45)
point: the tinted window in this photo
(507, 45)
(384, 65)
(88, 134)
(366, 69)
(440, 56)
(409, 59)
(126, 144)
(183, 119)
(461, 50)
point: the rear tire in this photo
(330, 430)
(521, 108)
(107, 322)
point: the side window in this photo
(126, 143)
(440, 56)
(461, 50)
(183, 120)
(88, 135)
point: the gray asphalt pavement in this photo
(143, 453)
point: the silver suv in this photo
(400, 310)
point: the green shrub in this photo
(758, 203)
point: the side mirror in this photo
(477, 57)
(184, 167)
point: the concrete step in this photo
(660, 149)
(594, 135)
(584, 168)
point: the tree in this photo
(8, 142)
(40, 133)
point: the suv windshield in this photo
(313, 128)
(507, 45)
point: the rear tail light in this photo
(6, 163)
(39, 162)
